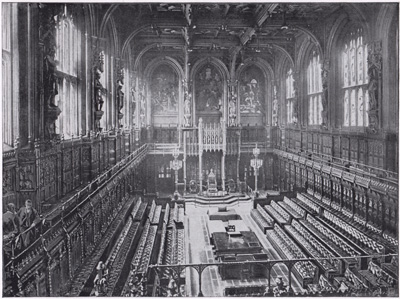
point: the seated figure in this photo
(279, 289)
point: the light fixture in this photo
(284, 25)
(258, 45)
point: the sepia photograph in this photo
(200, 149)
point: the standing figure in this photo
(232, 112)
(29, 217)
(172, 288)
(99, 90)
(187, 109)
(120, 95)
(11, 226)
(275, 112)
(100, 281)
(279, 289)
(50, 65)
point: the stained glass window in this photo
(9, 71)
(314, 90)
(355, 80)
(68, 54)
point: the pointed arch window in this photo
(10, 89)
(314, 90)
(68, 54)
(355, 80)
(290, 94)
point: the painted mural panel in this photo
(164, 90)
(209, 89)
(252, 89)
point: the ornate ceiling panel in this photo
(219, 25)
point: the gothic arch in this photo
(106, 18)
(163, 60)
(306, 49)
(285, 54)
(284, 64)
(311, 37)
(387, 30)
(214, 61)
(384, 20)
(114, 33)
(340, 28)
(140, 55)
(131, 36)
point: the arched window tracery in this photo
(69, 45)
(355, 80)
(314, 90)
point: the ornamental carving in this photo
(133, 102)
(142, 103)
(187, 105)
(374, 84)
(324, 76)
(232, 106)
(275, 107)
(296, 111)
(120, 94)
(8, 180)
(26, 177)
(99, 90)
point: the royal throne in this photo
(211, 183)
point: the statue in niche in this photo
(98, 90)
(232, 112)
(275, 108)
(374, 73)
(324, 75)
(142, 99)
(50, 65)
(232, 109)
(373, 83)
(133, 91)
(120, 94)
(187, 109)
(210, 90)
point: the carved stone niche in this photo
(99, 90)
(374, 84)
